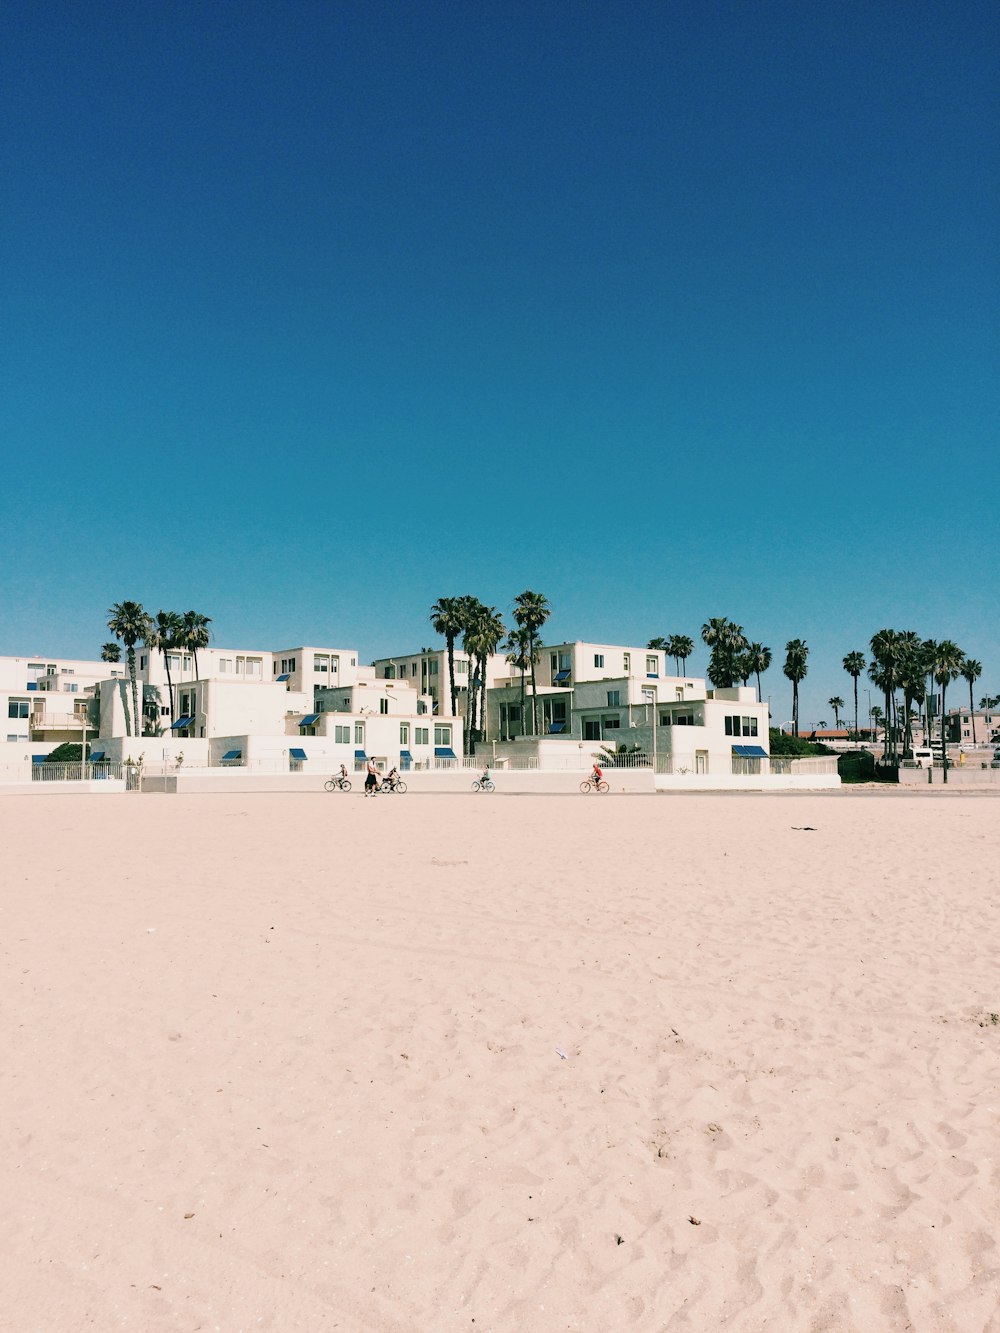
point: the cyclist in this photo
(392, 777)
(484, 776)
(597, 775)
(342, 775)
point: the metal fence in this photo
(86, 772)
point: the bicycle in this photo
(483, 784)
(398, 786)
(337, 784)
(591, 785)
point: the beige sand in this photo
(291, 1063)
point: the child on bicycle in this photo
(392, 777)
(342, 776)
(484, 776)
(597, 775)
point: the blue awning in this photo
(39, 758)
(360, 754)
(297, 753)
(181, 722)
(309, 720)
(444, 752)
(749, 751)
(652, 675)
(405, 754)
(285, 677)
(561, 675)
(556, 727)
(31, 685)
(232, 754)
(96, 756)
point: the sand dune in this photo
(297, 1063)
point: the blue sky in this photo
(313, 313)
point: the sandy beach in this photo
(290, 1062)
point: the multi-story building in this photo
(427, 672)
(47, 700)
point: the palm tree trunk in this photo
(170, 688)
(534, 686)
(451, 673)
(523, 696)
(135, 692)
(855, 706)
(972, 713)
(944, 743)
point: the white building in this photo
(608, 697)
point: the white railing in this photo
(80, 772)
(792, 763)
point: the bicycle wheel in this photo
(401, 787)
(345, 785)
(475, 785)
(585, 786)
(488, 785)
(330, 786)
(602, 786)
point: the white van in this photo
(923, 758)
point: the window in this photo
(12, 737)
(359, 733)
(749, 726)
(421, 706)
(69, 671)
(553, 662)
(173, 661)
(383, 705)
(433, 666)
(18, 708)
(627, 661)
(591, 729)
(684, 719)
(666, 720)
(679, 693)
(143, 661)
(404, 733)
(741, 726)
(598, 659)
(611, 723)
(461, 668)
(413, 668)
(226, 665)
(389, 672)
(442, 735)
(614, 698)
(421, 736)
(652, 666)
(342, 735)
(321, 663)
(649, 696)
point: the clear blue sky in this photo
(315, 312)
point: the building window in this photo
(421, 707)
(649, 697)
(461, 668)
(321, 663)
(18, 708)
(433, 667)
(226, 665)
(598, 659)
(614, 698)
(383, 705)
(591, 729)
(627, 661)
(359, 733)
(652, 666)
(404, 733)
(442, 735)
(666, 720)
(421, 736)
(342, 735)
(611, 723)
(553, 662)
(684, 719)
(143, 661)
(413, 668)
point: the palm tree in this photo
(660, 645)
(989, 701)
(911, 682)
(164, 635)
(854, 664)
(757, 660)
(887, 652)
(681, 647)
(194, 634)
(483, 636)
(110, 652)
(972, 670)
(928, 651)
(796, 653)
(517, 648)
(836, 703)
(446, 620)
(531, 611)
(948, 662)
(727, 642)
(130, 623)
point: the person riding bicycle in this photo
(597, 776)
(342, 775)
(484, 776)
(392, 777)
